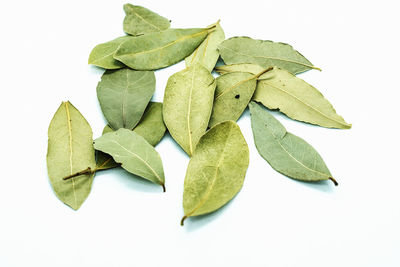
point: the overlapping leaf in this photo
(123, 96)
(216, 171)
(102, 54)
(187, 107)
(70, 150)
(241, 67)
(140, 20)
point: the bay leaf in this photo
(123, 96)
(70, 149)
(279, 89)
(232, 95)
(140, 20)
(103, 160)
(160, 49)
(151, 127)
(187, 107)
(207, 53)
(285, 152)
(264, 53)
(216, 171)
(102, 54)
(241, 67)
(134, 154)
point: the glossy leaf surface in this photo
(70, 150)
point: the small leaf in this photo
(187, 107)
(216, 171)
(160, 49)
(233, 93)
(207, 53)
(123, 96)
(140, 20)
(70, 150)
(285, 152)
(151, 127)
(134, 154)
(102, 54)
(242, 67)
(279, 89)
(264, 53)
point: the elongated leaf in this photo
(103, 160)
(207, 53)
(140, 20)
(124, 95)
(242, 67)
(216, 171)
(160, 49)
(232, 95)
(264, 53)
(285, 152)
(187, 107)
(70, 150)
(151, 127)
(102, 54)
(279, 89)
(134, 153)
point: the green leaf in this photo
(123, 96)
(134, 154)
(102, 54)
(207, 53)
(285, 152)
(70, 150)
(187, 107)
(103, 160)
(233, 93)
(140, 20)
(264, 53)
(242, 67)
(279, 89)
(151, 127)
(216, 171)
(160, 49)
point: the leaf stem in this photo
(88, 170)
(183, 219)
(163, 187)
(264, 71)
(334, 181)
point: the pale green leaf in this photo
(102, 54)
(134, 154)
(216, 171)
(140, 20)
(241, 67)
(187, 107)
(233, 93)
(70, 150)
(264, 53)
(207, 53)
(279, 89)
(123, 96)
(151, 127)
(160, 49)
(285, 152)
(103, 160)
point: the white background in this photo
(274, 220)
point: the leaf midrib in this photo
(71, 150)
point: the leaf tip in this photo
(183, 220)
(334, 181)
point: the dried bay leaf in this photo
(242, 67)
(216, 171)
(134, 154)
(187, 106)
(140, 20)
(103, 160)
(279, 89)
(70, 149)
(123, 96)
(160, 49)
(207, 53)
(232, 95)
(264, 53)
(102, 54)
(285, 152)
